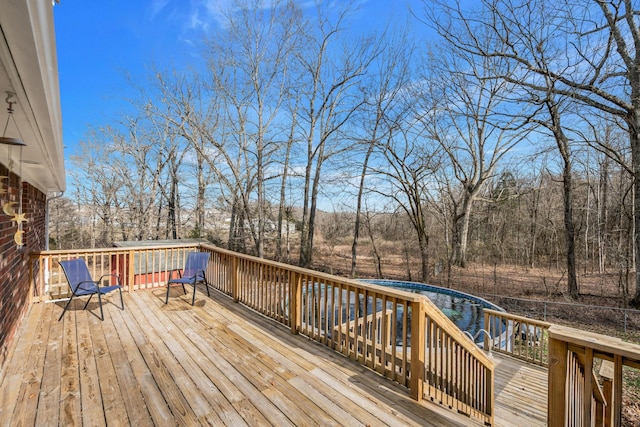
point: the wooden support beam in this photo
(557, 383)
(616, 399)
(295, 305)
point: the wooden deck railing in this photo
(457, 375)
(138, 267)
(576, 398)
(517, 336)
(401, 335)
(372, 324)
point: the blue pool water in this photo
(465, 310)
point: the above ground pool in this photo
(465, 310)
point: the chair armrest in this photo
(93, 282)
(118, 282)
(179, 270)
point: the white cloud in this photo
(157, 6)
(203, 13)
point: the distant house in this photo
(34, 173)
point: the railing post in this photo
(616, 392)
(295, 302)
(588, 386)
(235, 282)
(606, 372)
(488, 328)
(130, 269)
(556, 403)
(418, 335)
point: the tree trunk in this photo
(572, 281)
(567, 185)
(282, 207)
(423, 243)
(534, 223)
(461, 229)
(232, 237)
(603, 216)
(377, 259)
(200, 196)
(634, 126)
(303, 259)
(172, 204)
(356, 226)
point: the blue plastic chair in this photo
(82, 284)
(194, 273)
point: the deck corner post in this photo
(418, 335)
(295, 305)
(558, 352)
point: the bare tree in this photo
(468, 114)
(382, 111)
(140, 163)
(100, 188)
(411, 164)
(250, 70)
(66, 225)
(186, 113)
(594, 58)
(554, 125)
(330, 99)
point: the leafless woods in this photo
(500, 132)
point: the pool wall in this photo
(438, 289)
(465, 310)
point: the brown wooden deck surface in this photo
(521, 393)
(216, 363)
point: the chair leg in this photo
(87, 303)
(193, 299)
(206, 285)
(65, 308)
(167, 298)
(121, 300)
(100, 304)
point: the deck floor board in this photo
(214, 363)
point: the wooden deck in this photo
(216, 363)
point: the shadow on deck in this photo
(215, 363)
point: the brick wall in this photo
(14, 262)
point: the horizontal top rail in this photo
(517, 318)
(603, 344)
(455, 332)
(383, 290)
(112, 249)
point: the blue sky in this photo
(99, 42)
